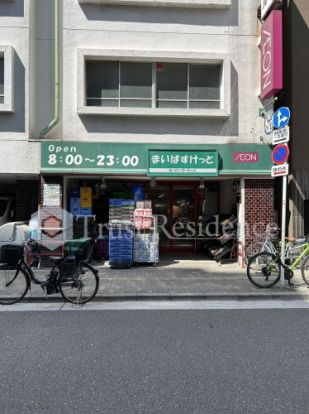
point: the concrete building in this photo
(121, 93)
(19, 157)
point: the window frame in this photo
(208, 4)
(7, 53)
(85, 55)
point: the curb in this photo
(182, 297)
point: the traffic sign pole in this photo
(280, 156)
(283, 226)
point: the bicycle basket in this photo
(11, 254)
(79, 248)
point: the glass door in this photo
(175, 207)
(161, 199)
(183, 218)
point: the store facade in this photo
(192, 189)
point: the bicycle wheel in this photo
(14, 284)
(252, 250)
(305, 270)
(80, 287)
(263, 270)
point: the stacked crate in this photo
(146, 239)
(143, 219)
(121, 209)
(146, 247)
(121, 216)
(120, 246)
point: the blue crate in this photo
(122, 240)
(86, 211)
(118, 251)
(120, 202)
(115, 242)
(126, 252)
(120, 259)
(120, 254)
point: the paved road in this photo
(155, 361)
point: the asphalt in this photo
(153, 362)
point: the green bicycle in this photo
(264, 268)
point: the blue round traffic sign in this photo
(280, 154)
(281, 117)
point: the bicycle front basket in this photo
(11, 254)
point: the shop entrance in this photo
(176, 207)
(189, 214)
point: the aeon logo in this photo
(246, 157)
(271, 55)
(266, 59)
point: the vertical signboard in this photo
(271, 55)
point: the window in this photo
(153, 85)
(119, 84)
(6, 79)
(1, 80)
(172, 83)
(218, 4)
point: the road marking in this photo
(159, 305)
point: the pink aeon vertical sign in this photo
(271, 55)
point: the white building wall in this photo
(17, 155)
(27, 25)
(176, 30)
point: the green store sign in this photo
(155, 159)
(179, 163)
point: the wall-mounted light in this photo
(103, 184)
(153, 183)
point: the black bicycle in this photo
(76, 280)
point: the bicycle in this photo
(75, 280)
(264, 269)
(292, 250)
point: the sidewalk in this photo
(184, 279)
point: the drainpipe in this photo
(55, 121)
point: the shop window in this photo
(153, 85)
(1, 80)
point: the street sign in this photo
(281, 136)
(281, 117)
(280, 170)
(280, 154)
(268, 122)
